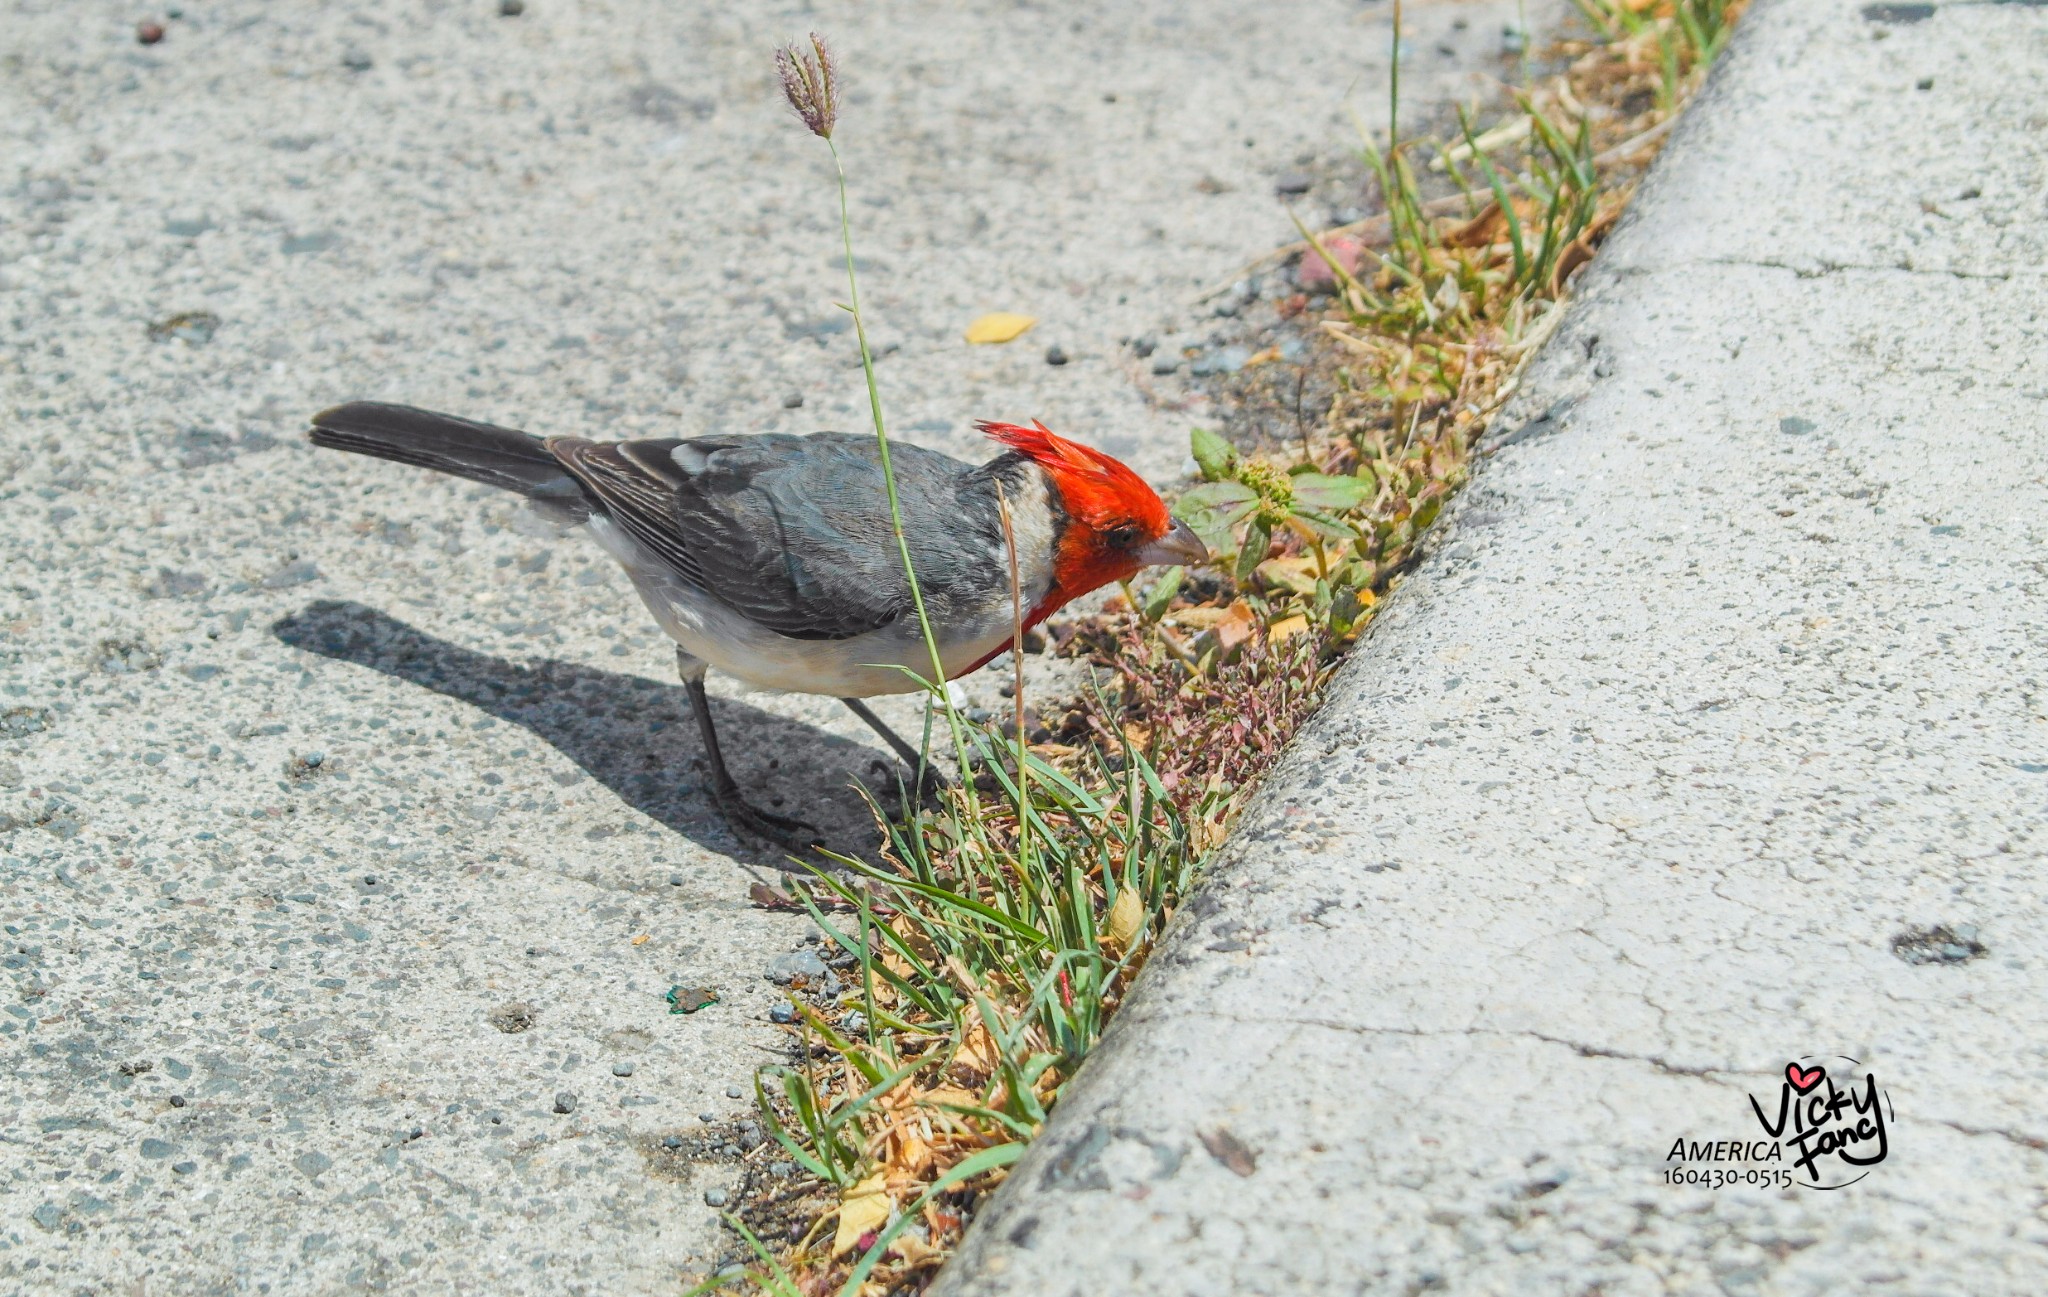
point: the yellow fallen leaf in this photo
(977, 1051)
(941, 1095)
(912, 1155)
(1236, 625)
(1286, 628)
(999, 326)
(1125, 919)
(1198, 618)
(641, 940)
(865, 1207)
(912, 1249)
(1297, 573)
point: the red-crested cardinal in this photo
(771, 558)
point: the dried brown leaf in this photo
(1231, 1151)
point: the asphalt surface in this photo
(1709, 741)
(350, 825)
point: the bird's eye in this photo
(1123, 536)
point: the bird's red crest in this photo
(1095, 487)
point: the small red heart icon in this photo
(1803, 1081)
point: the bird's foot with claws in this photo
(781, 830)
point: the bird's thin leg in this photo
(779, 829)
(929, 780)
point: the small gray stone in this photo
(1055, 355)
(623, 1068)
(49, 1215)
(784, 969)
(312, 1163)
(714, 1197)
(1223, 360)
(782, 1011)
(1294, 182)
(565, 1103)
(298, 245)
(186, 1167)
(157, 1149)
(1165, 362)
(793, 401)
(296, 572)
(734, 1092)
(511, 8)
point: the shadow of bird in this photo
(629, 733)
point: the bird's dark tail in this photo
(500, 457)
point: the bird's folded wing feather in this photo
(790, 532)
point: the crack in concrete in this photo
(1663, 1065)
(2034, 1143)
(1586, 800)
(1822, 269)
(1711, 1075)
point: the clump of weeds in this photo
(1005, 923)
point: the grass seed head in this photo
(810, 82)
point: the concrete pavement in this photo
(1709, 740)
(350, 835)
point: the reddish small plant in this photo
(1217, 732)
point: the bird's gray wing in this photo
(791, 532)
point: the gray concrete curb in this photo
(1711, 737)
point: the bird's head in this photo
(1116, 524)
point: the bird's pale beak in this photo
(1179, 546)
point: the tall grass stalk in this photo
(936, 685)
(867, 369)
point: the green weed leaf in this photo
(1215, 456)
(1257, 541)
(1320, 491)
(1162, 594)
(1213, 509)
